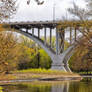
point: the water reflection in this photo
(63, 87)
(79, 86)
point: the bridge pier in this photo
(57, 64)
(60, 62)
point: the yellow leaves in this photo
(65, 24)
(6, 63)
(5, 27)
(32, 50)
(1, 27)
(8, 51)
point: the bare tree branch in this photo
(7, 8)
(81, 13)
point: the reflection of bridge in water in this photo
(63, 87)
(59, 56)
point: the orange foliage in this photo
(1, 27)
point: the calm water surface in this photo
(84, 85)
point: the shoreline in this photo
(4, 82)
(19, 78)
(31, 75)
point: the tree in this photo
(26, 57)
(9, 52)
(89, 4)
(81, 13)
(45, 60)
(28, 48)
(83, 58)
(27, 42)
(7, 8)
(32, 55)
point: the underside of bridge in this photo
(59, 56)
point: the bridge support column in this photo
(58, 58)
(75, 34)
(26, 30)
(32, 31)
(50, 37)
(57, 42)
(57, 63)
(70, 35)
(60, 62)
(38, 33)
(58, 67)
(62, 40)
(45, 36)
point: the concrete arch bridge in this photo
(59, 55)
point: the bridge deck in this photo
(50, 24)
(47, 24)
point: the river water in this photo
(84, 85)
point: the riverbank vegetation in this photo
(41, 71)
(43, 74)
(81, 61)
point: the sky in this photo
(34, 12)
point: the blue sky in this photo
(33, 12)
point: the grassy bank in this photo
(37, 74)
(42, 73)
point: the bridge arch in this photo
(58, 61)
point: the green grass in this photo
(85, 73)
(42, 71)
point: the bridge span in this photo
(59, 56)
